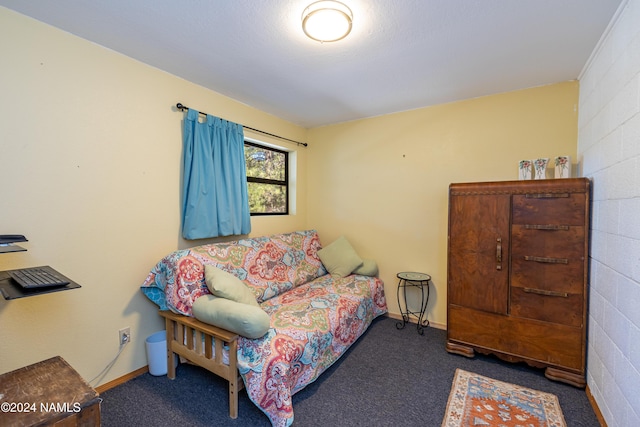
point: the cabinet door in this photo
(478, 264)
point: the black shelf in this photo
(12, 290)
(5, 249)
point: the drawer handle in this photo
(546, 195)
(547, 293)
(498, 253)
(546, 227)
(547, 260)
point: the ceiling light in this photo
(327, 20)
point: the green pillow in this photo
(243, 319)
(339, 258)
(368, 268)
(226, 285)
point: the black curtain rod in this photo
(181, 107)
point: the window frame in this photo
(284, 182)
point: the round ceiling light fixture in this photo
(327, 21)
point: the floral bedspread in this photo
(314, 317)
(311, 327)
(268, 265)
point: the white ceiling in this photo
(400, 55)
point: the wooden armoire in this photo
(517, 274)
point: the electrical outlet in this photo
(124, 336)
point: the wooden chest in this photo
(48, 393)
(517, 273)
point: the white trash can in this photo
(157, 353)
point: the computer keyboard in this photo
(37, 277)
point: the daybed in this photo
(313, 316)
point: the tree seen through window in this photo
(267, 179)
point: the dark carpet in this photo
(389, 377)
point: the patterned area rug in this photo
(480, 401)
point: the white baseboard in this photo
(415, 321)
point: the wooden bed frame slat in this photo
(182, 331)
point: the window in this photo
(267, 179)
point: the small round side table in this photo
(417, 280)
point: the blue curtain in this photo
(215, 198)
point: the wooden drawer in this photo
(549, 208)
(530, 340)
(548, 260)
(560, 308)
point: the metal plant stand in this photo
(416, 280)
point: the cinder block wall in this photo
(609, 152)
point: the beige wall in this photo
(383, 182)
(90, 152)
